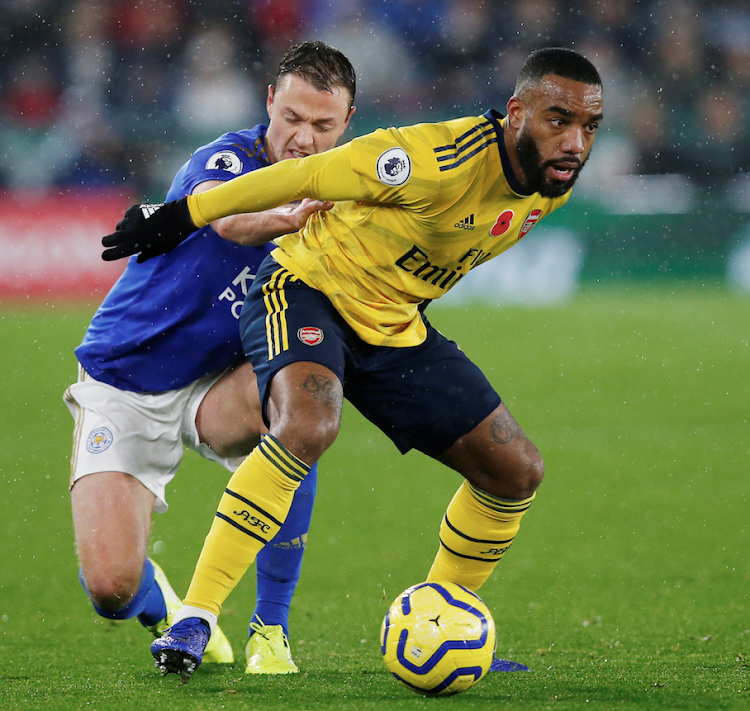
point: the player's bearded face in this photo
(535, 168)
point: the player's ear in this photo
(516, 111)
(346, 122)
(351, 113)
(269, 100)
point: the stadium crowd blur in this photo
(99, 93)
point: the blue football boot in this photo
(180, 649)
(505, 665)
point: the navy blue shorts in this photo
(423, 397)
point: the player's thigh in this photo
(229, 419)
(111, 519)
(497, 456)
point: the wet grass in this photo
(627, 587)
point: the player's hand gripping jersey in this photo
(416, 209)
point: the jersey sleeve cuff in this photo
(195, 213)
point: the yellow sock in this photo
(476, 531)
(251, 511)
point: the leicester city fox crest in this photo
(99, 440)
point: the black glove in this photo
(149, 230)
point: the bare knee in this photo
(497, 457)
(306, 437)
(112, 590)
(525, 474)
(510, 477)
(510, 464)
(305, 409)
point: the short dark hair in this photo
(559, 61)
(319, 64)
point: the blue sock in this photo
(279, 563)
(147, 604)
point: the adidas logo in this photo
(149, 210)
(467, 223)
(299, 542)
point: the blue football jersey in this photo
(174, 318)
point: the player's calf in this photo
(503, 470)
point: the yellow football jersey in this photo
(416, 209)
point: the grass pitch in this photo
(627, 587)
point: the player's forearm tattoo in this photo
(323, 390)
(504, 428)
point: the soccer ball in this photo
(438, 638)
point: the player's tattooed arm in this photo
(324, 390)
(504, 429)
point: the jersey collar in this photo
(260, 145)
(495, 117)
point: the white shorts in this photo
(141, 434)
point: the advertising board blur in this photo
(50, 244)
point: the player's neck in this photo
(511, 149)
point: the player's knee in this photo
(111, 593)
(320, 437)
(529, 473)
(307, 438)
(517, 477)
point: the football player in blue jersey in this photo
(162, 366)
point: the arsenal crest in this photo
(311, 335)
(531, 220)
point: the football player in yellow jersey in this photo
(335, 312)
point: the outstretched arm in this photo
(256, 228)
(322, 176)
(361, 170)
(150, 230)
